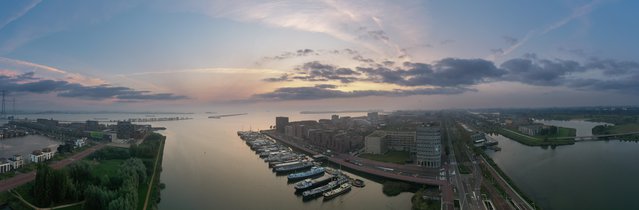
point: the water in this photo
(25, 145)
(207, 166)
(587, 175)
(584, 128)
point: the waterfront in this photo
(586, 175)
(207, 166)
(25, 145)
(584, 128)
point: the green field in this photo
(626, 128)
(561, 132)
(616, 129)
(399, 157)
(107, 167)
(533, 141)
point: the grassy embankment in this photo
(490, 179)
(616, 129)
(104, 170)
(546, 140)
(399, 157)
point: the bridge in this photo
(595, 137)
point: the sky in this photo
(196, 55)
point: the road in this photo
(452, 168)
(21, 179)
(399, 172)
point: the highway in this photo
(468, 185)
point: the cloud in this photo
(447, 72)
(287, 55)
(627, 85)
(353, 54)
(316, 71)
(376, 35)
(28, 83)
(612, 66)
(326, 86)
(283, 78)
(26, 66)
(542, 72)
(314, 93)
(461, 74)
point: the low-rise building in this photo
(531, 130)
(16, 161)
(478, 137)
(79, 142)
(45, 154)
(5, 166)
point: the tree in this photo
(42, 188)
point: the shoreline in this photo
(445, 187)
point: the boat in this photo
(358, 183)
(318, 191)
(312, 183)
(315, 171)
(293, 167)
(344, 188)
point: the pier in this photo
(356, 164)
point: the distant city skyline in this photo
(317, 55)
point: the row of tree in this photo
(119, 191)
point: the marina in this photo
(298, 166)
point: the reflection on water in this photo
(584, 128)
(587, 175)
(207, 166)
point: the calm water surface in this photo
(584, 128)
(25, 145)
(207, 166)
(587, 175)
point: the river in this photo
(586, 175)
(207, 166)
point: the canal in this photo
(586, 175)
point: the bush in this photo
(391, 188)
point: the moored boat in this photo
(315, 171)
(344, 188)
(293, 167)
(312, 183)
